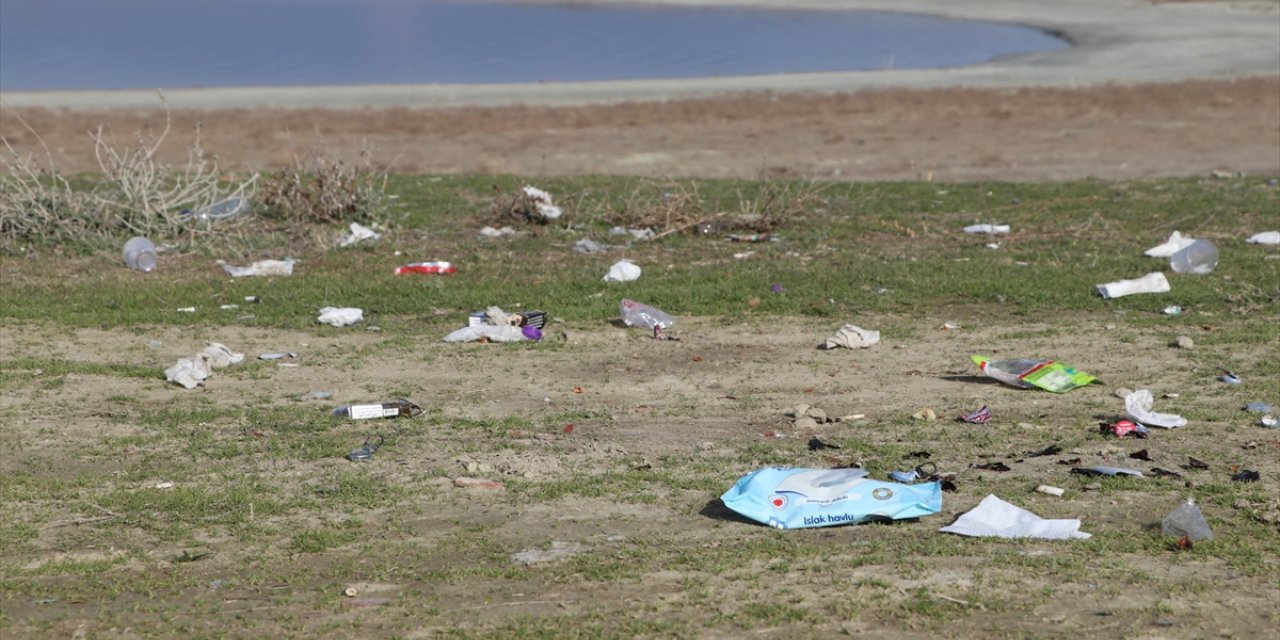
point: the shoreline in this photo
(1114, 42)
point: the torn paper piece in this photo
(987, 228)
(852, 337)
(260, 268)
(1266, 237)
(359, 233)
(1137, 406)
(995, 518)
(488, 333)
(1174, 244)
(340, 316)
(622, 271)
(1154, 282)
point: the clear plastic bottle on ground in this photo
(1199, 258)
(140, 254)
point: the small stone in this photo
(800, 411)
(1122, 392)
(925, 414)
(1183, 342)
(806, 423)
(818, 415)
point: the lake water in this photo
(136, 44)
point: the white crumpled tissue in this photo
(1137, 406)
(987, 228)
(1176, 242)
(995, 518)
(492, 333)
(359, 233)
(260, 268)
(622, 271)
(340, 316)
(852, 337)
(1266, 237)
(192, 372)
(542, 202)
(1153, 282)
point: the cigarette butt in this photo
(1053, 491)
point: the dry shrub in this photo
(134, 194)
(525, 207)
(668, 208)
(322, 188)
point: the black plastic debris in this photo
(1164, 473)
(1141, 455)
(1193, 463)
(993, 466)
(1246, 475)
(818, 445)
(1051, 450)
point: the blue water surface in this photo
(120, 44)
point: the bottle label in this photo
(368, 411)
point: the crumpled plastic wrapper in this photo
(852, 337)
(542, 202)
(340, 316)
(1137, 406)
(493, 333)
(359, 233)
(192, 372)
(260, 268)
(1176, 242)
(622, 271)
(995, 518)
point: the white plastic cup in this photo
(1199, 258)
(140, 254)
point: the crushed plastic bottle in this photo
(1186, 521)
(140, 254)
(636, 314)
(398, 408)
(1199, 258)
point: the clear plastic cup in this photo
(1199, 258)
(140, 254)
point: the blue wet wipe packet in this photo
(799, 498)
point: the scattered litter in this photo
(1269, 422)
(798, 498)
(589, 246)
(359, 233)
(1124, 428)
(366, 451)
(622, 271)
(1186, 521)
(1051, 450)
(1259, 407)
(490, 232)
(1137, 406)
(1153, 282)
(340, 316)
(994, 517)
(164, 485)
(1027, 374)
(1198, 258)
(229, 307)
(1229, 377)
(981, 416)
(1266, 237)
(497, 317)
(277, 356)
(399, 407)
(438, 267)
(638, 314)
(774, 435)
(186, 309)
(950, 326)
(465, 482)
(1164, 473)
(1245, 475)
(999, 467)
(1106, 471)
(260, 268)
(140, 254)
(542, 203)
(1053, 491)
(816, 444)
(1196, 463)
(192, 372)
(556, 551)
(1174, 244)
(253, 299)
(639, 234)
(494, 333)
(851, 337)
(776, 288)
(316, 395)
(987, 228)
(1172, 310)
(221, 210)
(750, 237)
(1141, 455)
(925, 414)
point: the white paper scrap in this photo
(995, 518)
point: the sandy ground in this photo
(1164, 89)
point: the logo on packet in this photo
(779, 502)
(882, 493)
